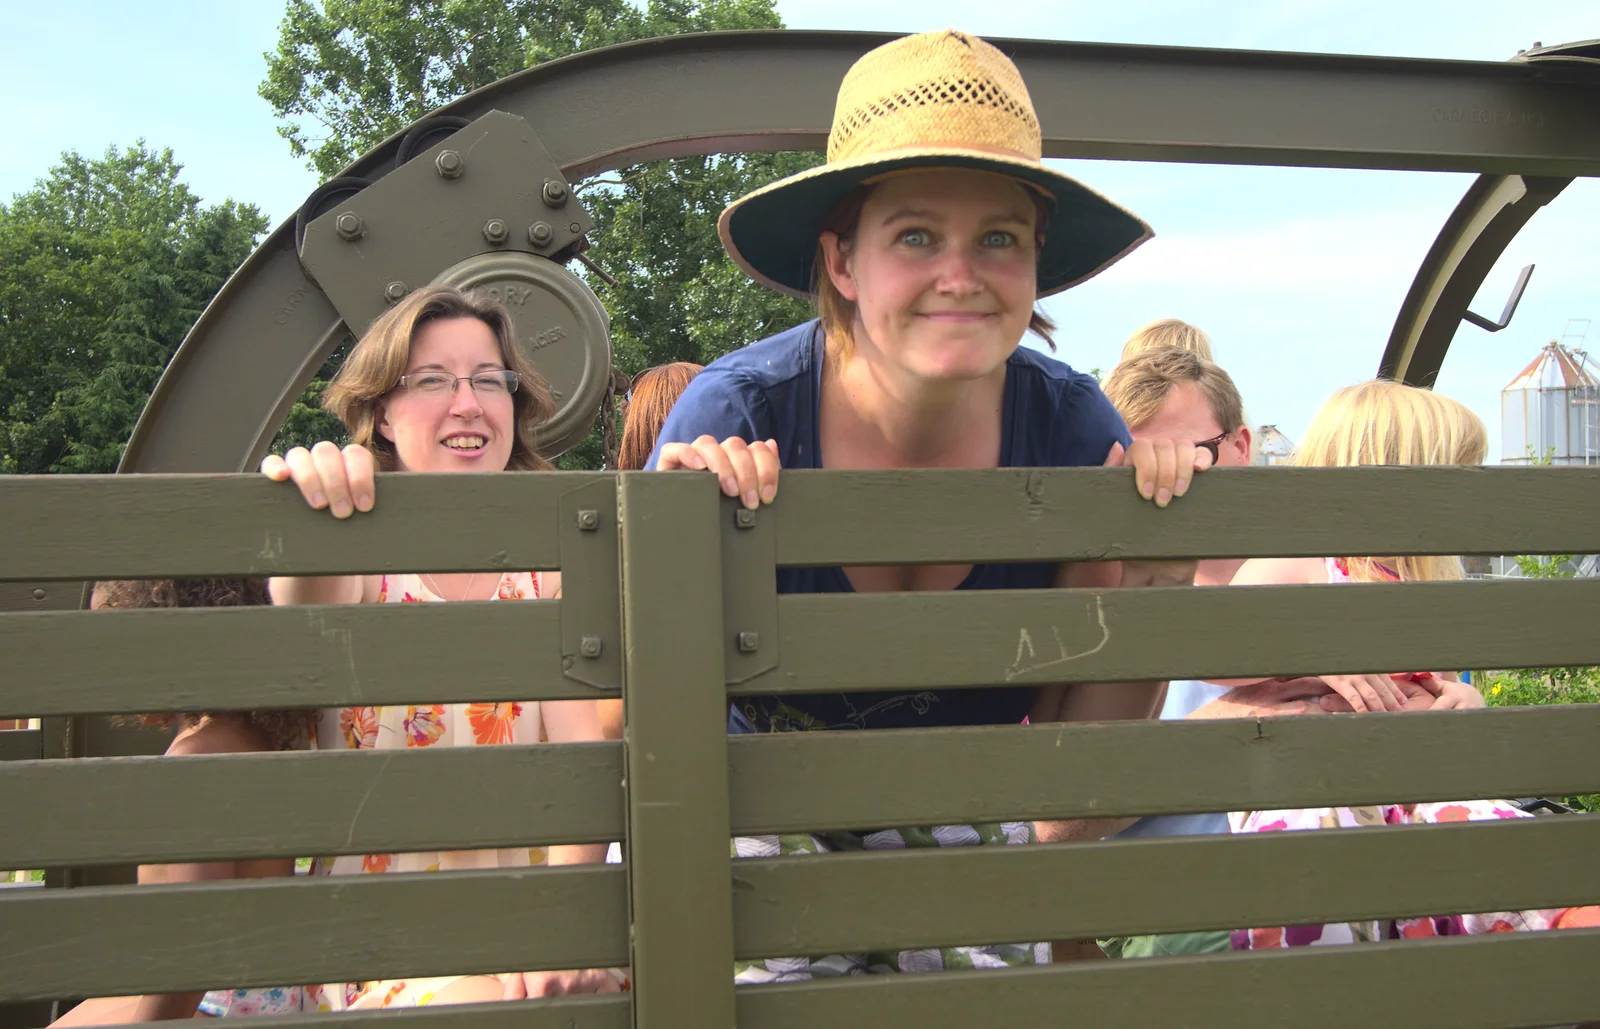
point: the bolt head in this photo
(749, 642)
(395, 292)
(38, 594)
(450, 164)
(540, 233)
(495, 231)
(349, 226)
(555, 193)
(590, 646)
(588, 520)
(744, 518)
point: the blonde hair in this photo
(1382, 422)
(1165, 333)
(838, 314)
(1139, 388)
(370, 373)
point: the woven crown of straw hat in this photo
(934, 100)
(942, 89)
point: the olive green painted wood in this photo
(607, 1011)
(112, 941)
(95, 810)
(117, 809)
(891, 900)
(193, 525)
(790, 782)
(918, 641)
(677, 753)
(219, 659)
(591, 584)
(20, 745)
(888, 517)
(1497, 982)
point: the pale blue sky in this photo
(1297, 274)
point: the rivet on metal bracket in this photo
(38, 594)
(555, 193)
(450, 164)
(495, 230)
(749, 642)
(540, 233)
(588, 521)
(744, 518)
(590, 646)
(349, 226)
(395, 292)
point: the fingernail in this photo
(364, 501)
(318, 500)
(1180, 487)
(730, 486)
(1163, 497)
(768, 492)
(1146, 488)
(751, 500)
(698, 463)
(341, 510)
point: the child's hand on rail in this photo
(747, 471)
(1161, 469)
(343, 480)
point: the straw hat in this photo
(941, 100)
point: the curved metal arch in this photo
(249, 356)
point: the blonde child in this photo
(1388, 423)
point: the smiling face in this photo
(941, 269)
(464, 430)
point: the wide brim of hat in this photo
(771, 233)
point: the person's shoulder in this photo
(1046, 378)
(226, 733)
(1064, 417)
(767, 363)
(1280, 571)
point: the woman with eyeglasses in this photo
(435, 385)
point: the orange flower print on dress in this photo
(1453, 813)
(509, 590)
(424, 724)
(359, 727)
(376, 863)
(492, 723)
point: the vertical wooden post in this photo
(679, 872)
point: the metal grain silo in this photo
(1552, 410)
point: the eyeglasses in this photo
(435, 384)
(1214, 444)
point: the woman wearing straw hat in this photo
(926, 239)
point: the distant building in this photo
(1271, 446)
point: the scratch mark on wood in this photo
(1025, 648)
(371, 789)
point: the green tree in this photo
(104, 266)
(349, 73)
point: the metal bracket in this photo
(1511, 305)
(591, 586)
(749, 591)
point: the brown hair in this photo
(1164, 333)
(838, 314)
(1139, 387)
(650, 400)
(356, 394)
(284, 729)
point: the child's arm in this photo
(224, 734)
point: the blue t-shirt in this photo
(1052, 417)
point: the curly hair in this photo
(282, 728)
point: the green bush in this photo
(1525, 687)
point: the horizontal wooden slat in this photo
(92, 810)
(21, 744)
(603, 1011)
(926, 641)
(1499, 982)
(902, 517)
(76, 662)
(791, 782)
(98, 810)
(849, 903)
(110, 941)
(176, 526)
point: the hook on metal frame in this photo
(1511, 305)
